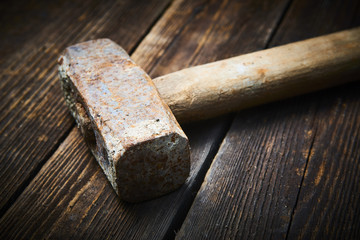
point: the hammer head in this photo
(131, 132)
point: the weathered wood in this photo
(256, 78)
(85, 205)
(34, 119)
(339, 15)
(328, 204)
(251, 185)
(262, 183)
(71, 197)
(23, 20)
(342, 221)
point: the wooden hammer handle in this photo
(260, 77)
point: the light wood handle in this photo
(236, 83)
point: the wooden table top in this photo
(288, 169)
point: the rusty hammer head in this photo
(131, 132)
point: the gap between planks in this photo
(302, 177)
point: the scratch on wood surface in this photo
(43, 138)
(320, 173)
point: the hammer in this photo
(126, 120)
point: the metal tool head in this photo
(131, 132)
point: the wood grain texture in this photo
(288, 169)
(339, 15)
(71, 197)
(215, 30)
(34, 119)
(320, 210)
(260, 77)
(23, 20)
(328, 199)
(328, 204)
(84, 206)
(252, 183)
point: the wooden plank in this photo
(23, 20)
(251, 185)
(71, 197)
(328, 204)
(317, 18)
(305, 145)
(80, 203)
(34, 118)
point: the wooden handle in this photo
(252, 79)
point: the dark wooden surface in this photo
(289, 169)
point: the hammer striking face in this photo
(131, 132)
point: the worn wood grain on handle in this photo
(236, 83)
